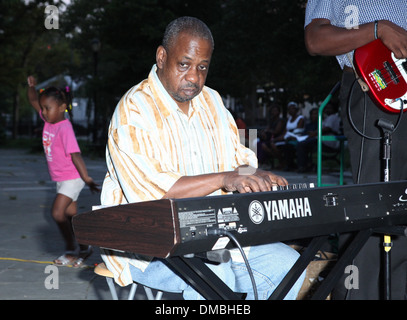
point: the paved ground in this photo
(29, 239)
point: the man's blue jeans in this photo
(269, 264)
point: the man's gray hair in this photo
(190, 25)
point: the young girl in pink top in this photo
(65, 164)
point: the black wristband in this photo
(376, 23)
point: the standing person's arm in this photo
(322, 38)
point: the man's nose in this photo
(192, 75)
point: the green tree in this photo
(128, 32)
(260, 43)
(27, 47)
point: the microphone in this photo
(214, 256)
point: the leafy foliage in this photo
(258, 44)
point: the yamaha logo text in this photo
(279, 209)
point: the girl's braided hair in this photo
(61, 95)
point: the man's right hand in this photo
(248, 179)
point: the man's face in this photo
(184, 67)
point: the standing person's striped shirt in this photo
(152, 143)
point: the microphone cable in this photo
(362, 133)
(246, 261)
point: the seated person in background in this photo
(295, 122)
(266, 148)
(331, 125)
(293, 131)
(171, 137)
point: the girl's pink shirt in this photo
(59, 142)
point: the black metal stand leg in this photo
(388, 129)
(387, 267)
(298, 268)
(387, 244)
(337, 271)
(202, 279)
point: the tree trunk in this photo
(16, 114)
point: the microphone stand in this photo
(388, 129)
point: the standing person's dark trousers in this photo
(372, 169)
(369, 259)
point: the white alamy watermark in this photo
(352, 280)
(352, 18)
(252, 141)
(52, 17)
(51, 281)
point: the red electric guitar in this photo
(384, 74)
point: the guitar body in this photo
(384, 74)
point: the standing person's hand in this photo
(393, 37)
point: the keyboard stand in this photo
(334, 275)
(298, 268)
(346, 259)
(202, 279)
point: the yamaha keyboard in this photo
(175, 227)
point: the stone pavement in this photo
(30, 240)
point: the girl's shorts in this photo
(71, 188)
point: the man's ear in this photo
(161, 57)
